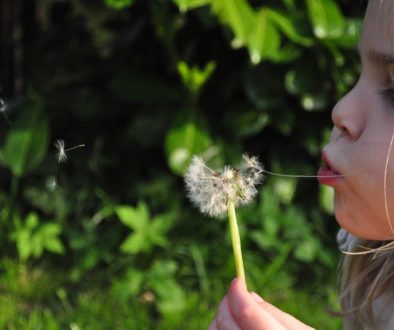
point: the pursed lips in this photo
(327, 173)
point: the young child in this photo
(359, 153)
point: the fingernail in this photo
(256, 297)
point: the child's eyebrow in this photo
(376, 56)
(379, 57)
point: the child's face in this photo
(363, 128)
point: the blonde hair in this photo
(366, 277)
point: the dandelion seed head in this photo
(252, 170)
(211, 190)
(61, 155)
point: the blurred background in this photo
(108, 239)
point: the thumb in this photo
(247, 312)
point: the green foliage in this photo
(183, 142)
(108, 240)
(170, 294)
(251, 28)
(119, 4)
(326, 18)
(147, 232)
(32, 238)
(194, 78)
(185, 5)
(27, 143)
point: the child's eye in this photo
(388, 94)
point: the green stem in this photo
(239, 264)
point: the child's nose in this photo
(347, 115)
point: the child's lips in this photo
(327, 174)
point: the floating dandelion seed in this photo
(51, 183)
(219, 192)
(3, 108)
(61, 155)
(211, 190)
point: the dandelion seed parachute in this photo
(211, 190)
(3, 110)
(61, 153)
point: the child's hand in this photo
(241, 309)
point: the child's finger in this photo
(212, 326)
(247, 312)
(289, 321)
(224, 319)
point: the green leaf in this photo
(290, 4)
(171, 296)
(135, 243)
(48, 234)
(264, 39)
(239, 15)
(326, 18)
(23, 244)
(54, 245)
(147, 233)
(182, 143)
(36, 245)
(194, 78)
(129, 285)
(31, 221)
(287, 53)
(306, 250)
(133, 217)
(27, 142)
(159, 227)
(157, 238)
(327, 199)
(50, 229)
(32, 239)
(119, 4)
(351, 33)
(185, 5)
(290, 26)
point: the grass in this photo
(38, 299)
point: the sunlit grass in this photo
(34, 305)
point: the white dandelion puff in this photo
(61, 155)
(211, 190)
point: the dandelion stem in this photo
(236, 242)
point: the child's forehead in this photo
(378, 29)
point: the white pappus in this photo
(211, 190)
